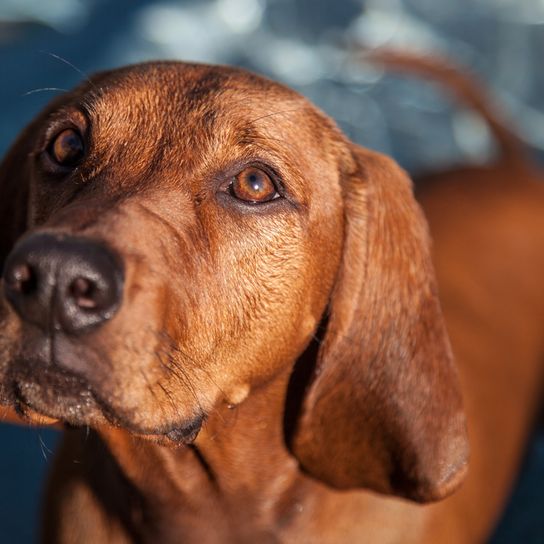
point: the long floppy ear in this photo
(14, 193)
(384, 409)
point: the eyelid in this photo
(269, 170)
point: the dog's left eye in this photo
(254, 186)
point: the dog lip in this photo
(27, 412)
(55, 393)
(76, 410)
(34, 401)
(180, 434)
(188, 433)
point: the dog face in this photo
(197, 194)
(179, 231)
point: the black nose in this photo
(63, 282)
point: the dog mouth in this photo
(43, 379)
(51, 394)
(55, 396)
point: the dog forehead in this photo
(172, 113)
(178, 94)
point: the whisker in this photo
(176, 348)
(42, 89)
(158, 383)
(174, 360)
(178, 370)
(180, 374)
(68, 63)
(169, 396)
(43, 447)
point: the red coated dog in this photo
(241, 303)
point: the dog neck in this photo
(238, 471)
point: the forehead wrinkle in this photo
(172, 126)
(203, 119)
(119, 117)
(174, 92)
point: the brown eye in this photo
(254, 186)
(67, 148)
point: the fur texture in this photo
(270, 364)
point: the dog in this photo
(232, 309)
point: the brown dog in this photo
(185, 228)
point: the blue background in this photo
(51, 44)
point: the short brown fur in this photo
(221, 317)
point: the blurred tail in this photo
(456, 79)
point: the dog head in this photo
(172, 235)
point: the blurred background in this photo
(47, 46)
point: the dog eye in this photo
(254, 186)
(67, 148)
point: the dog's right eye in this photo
(67, 148)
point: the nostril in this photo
(22, 279)
(83, 291)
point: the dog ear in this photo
(14, 192)
(383, 410)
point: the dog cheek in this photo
(275, 318)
